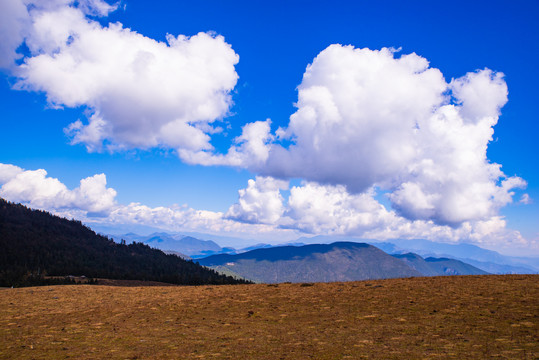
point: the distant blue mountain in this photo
(254, 247)
(494, 268)
(439, 266)
(487, 260)
(188, 245)
(225, 241)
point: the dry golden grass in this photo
(493, 317)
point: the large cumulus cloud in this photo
(138, 92)
(263, 210)
(370, 118)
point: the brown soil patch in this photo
(464, 317)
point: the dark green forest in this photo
(36, 246)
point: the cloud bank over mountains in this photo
(368, 122)
(261, 210)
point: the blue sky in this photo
(254, 61)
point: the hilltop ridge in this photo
(341, 261)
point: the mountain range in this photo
(36, 243)
(182, 245)
(254, 266)
(312, 263)
(486, 260)
(340, 261)
(438, 266)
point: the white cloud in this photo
(93, 202)
(8, 172)
(261, 202)
(251, 149)
(17, 23)
(261, 211)
(480, 94)
(356, 108)
(13, 20)
(183, 218)
(526, 199)
(93, 194)
(312, 209)
(328, 209)
(97, 7)
(139, 92)
(35, 189)
(369, 119)
(331, 210)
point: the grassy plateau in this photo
(458, 317)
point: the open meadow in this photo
(460, 317)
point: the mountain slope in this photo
(35, 243)
(446, 266)
(436, 267)
(486, 260)
(341, 261)
(418, 263)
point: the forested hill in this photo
(36, 245)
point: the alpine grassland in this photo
(456, 317)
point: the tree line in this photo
(38, 248)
